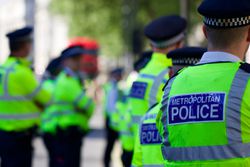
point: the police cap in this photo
(187, 55)
(225, 13)
(23, 34)
(71, 52)
(54, 66)
(166, 30)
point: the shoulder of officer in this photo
(245, 66)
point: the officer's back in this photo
(205, 108)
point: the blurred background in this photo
(115, 28)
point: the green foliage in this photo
(104, 20)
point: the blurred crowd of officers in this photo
(180, 107)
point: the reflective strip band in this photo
(6, 96)
(126, 133)
(88, 104)
(20, 116)
(136, 119)
(152, 77)
(57, 114)
(6, 77)
(35, 92)
(233, 114)
(154, 89)
(147, 76)
(153, 165)
(79, 98)
(234, 149)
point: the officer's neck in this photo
(18, 54)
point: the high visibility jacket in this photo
(113, 94)
(19, 93)
(69, 106)
(147, 89)
(147, 149)
(125, 131)
(205, 118)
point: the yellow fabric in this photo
(22, 83)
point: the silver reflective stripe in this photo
(35, 92)
(79, 98)
(234, 106)
(57, 114)
(234, 149)
(147, 76)
(7, 97)
(154, 89)
(20, 116)
(136, 119)
(126, 133)
(153, 165)
(88, 104)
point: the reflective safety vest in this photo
(125, 131)
(147, 149)
(147, 89)
(69, 106)
(19, 93)
(205, 118)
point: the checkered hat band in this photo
(186, 61)
(227, 22)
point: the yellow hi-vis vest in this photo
(70, 106)
(19, 92)
(147, 89)
(205, 118)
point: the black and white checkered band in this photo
(227, 22)
(185, 61)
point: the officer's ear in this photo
(204, 30)
(248, 34)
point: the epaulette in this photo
(245, 66)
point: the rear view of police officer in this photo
(165, 34)
(21, 101)
(148, 141)
(205, 108)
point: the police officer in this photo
(165, 34)
(112, 95)
(21, 101)
(205, 108)
(125, 131)
(148, 140)
(65, 120)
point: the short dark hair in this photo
(222, 38)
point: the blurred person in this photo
(165, 34)
(148, 140)
(65, 120)
(112, 95)
(205, 111)
(125, 131)
(21, 102)
(51, 72)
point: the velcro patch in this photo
(149, 134)
(195, 108)
(138, 90)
